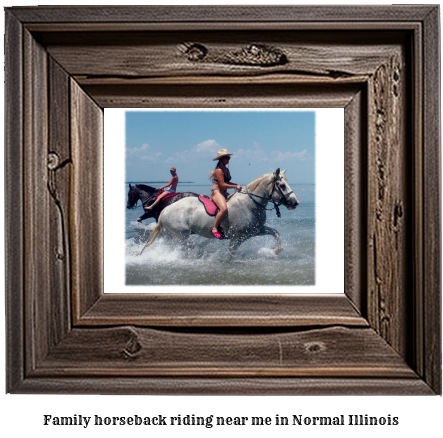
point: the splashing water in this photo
(201, 261)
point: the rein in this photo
(133, 195)
(276, 205)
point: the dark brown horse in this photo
(147, 195)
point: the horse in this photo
(147, 195)
(245, 218)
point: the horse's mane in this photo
(254, 184)
(146, 188)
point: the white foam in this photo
(266, 253)
(158, 252)
(141, 226)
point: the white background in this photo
(329, 215)
(24, 413)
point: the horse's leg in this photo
(236, 240)
(234, 243)
(185, 243)
(276, 234)
(146, 215)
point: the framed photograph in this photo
(293, 253)
(378, 332)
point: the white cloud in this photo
(153, 157)
(207, 146)
(204, 149)
(298, 156)
(251, 155)
(180, 157)
(255, 155)
(144, 147)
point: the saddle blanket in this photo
(209, 205)
(167, 196)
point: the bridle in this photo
(131, 199)
(133, 194)
(276, 205)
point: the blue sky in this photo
(189, 140)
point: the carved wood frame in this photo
(64, 335)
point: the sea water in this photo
(208, 262)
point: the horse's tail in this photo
(157, 230)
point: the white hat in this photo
(222, 153)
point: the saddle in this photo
(210, 206)
(165, 202)
(167, 196)
(211, 209)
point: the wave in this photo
(134, 225)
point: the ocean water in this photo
(208, 262)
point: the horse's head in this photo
(133, 197)
(282, 192)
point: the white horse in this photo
(245, 218)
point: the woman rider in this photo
(169, 188)
(221, 178)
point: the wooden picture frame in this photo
(65, 64)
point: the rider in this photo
(169, 188)
(221, 178)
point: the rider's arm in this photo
(221, 181)
(169, 184)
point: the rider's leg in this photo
(220, 202)
(160, 197)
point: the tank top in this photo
(226, 175)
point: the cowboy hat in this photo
(222, 153)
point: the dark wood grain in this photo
(226, 15)
(86, 200)
(222, 96)
(430, 319)
(288, 386)
(59, 168)
(388, 203)
(129, 351)
(206, 310)
(64, 65)
(166, 54)
(37, 306)
(14, 238)
(355, 191)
